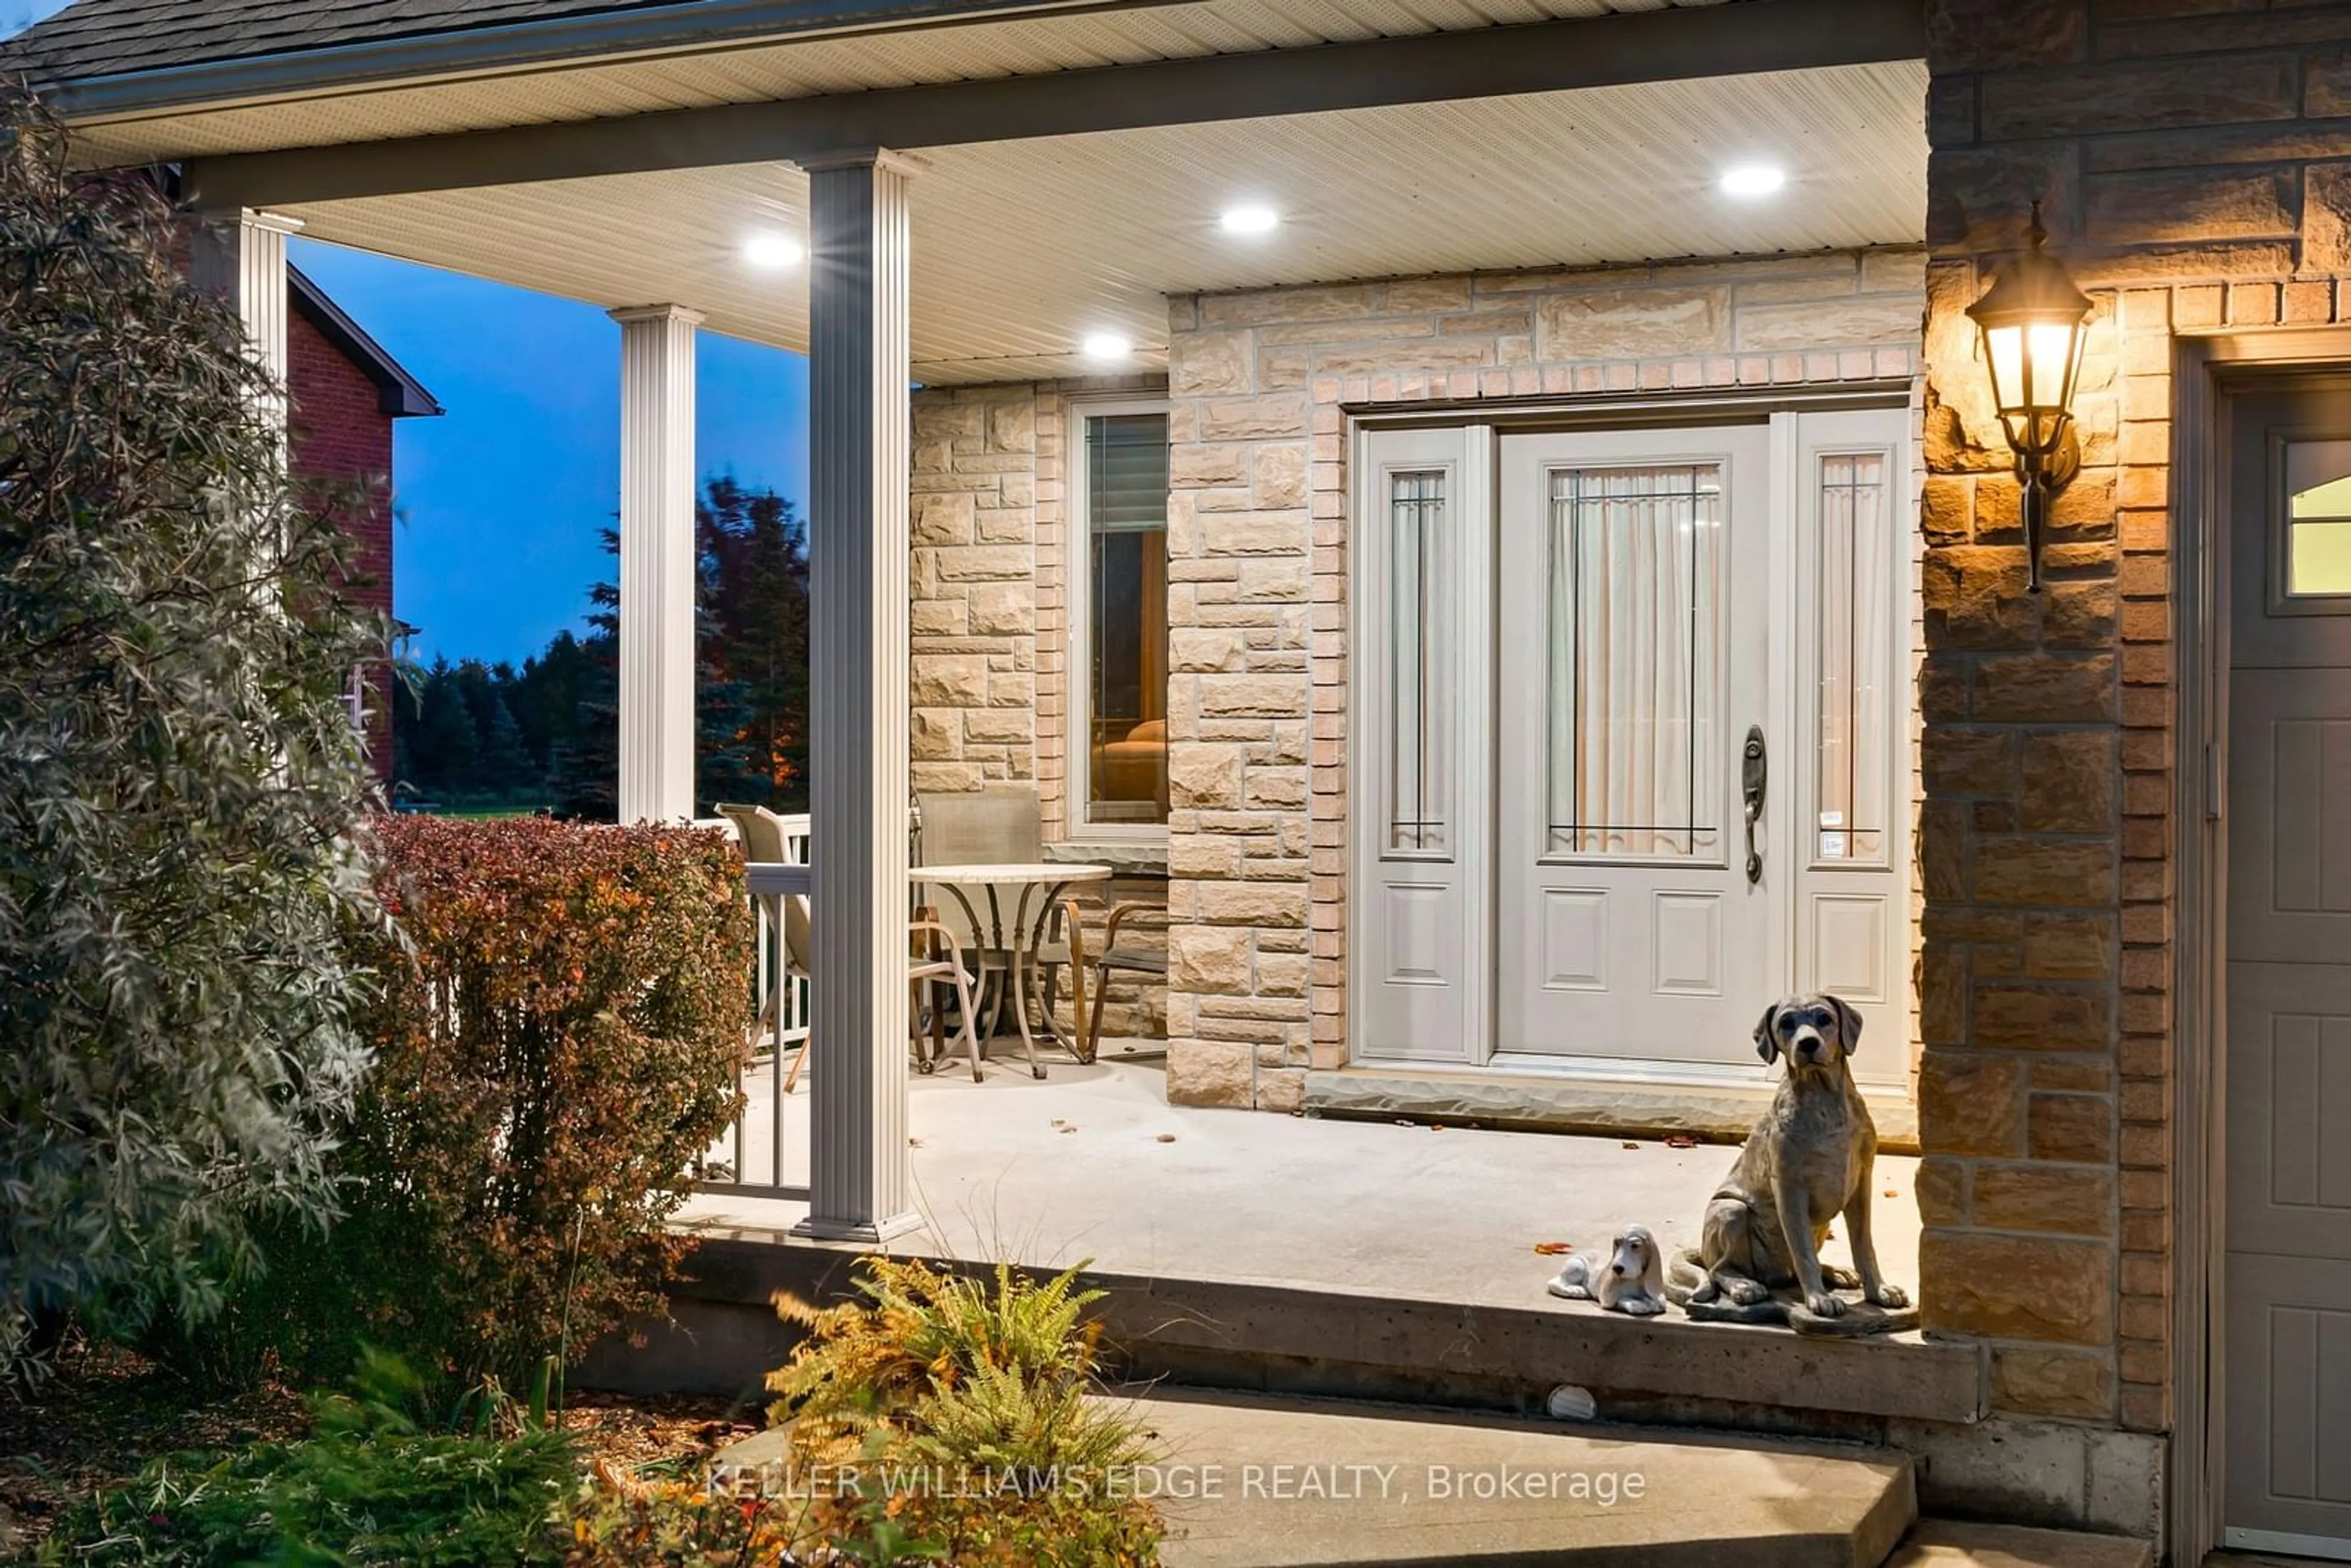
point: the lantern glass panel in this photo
(2049, 362)
(2004, 346)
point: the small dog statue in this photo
(1632, 1281)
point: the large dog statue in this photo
(1809, 1159)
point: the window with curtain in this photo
(1125, 691)
(1635, 687)
(1855, 601)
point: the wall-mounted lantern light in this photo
(2034, 322)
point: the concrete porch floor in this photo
(1092, 1163)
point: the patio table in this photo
(1023, 933)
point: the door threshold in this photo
(1541, 1102)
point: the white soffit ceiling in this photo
(1130, 33)
(1021, 249)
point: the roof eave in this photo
(398, 394)
(426, 57)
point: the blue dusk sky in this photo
(501, 500)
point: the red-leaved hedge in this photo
(560, 1013)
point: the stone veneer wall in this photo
(989, 662)
(1260, 384)
(2195, 157)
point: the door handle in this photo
(1754, 776)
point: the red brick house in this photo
(346, 392)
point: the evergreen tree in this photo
(552, 728)
(506, 764)
(548, 692)
(446, 748)
(753, 629)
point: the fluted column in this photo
(656, 781)
(859, 456)
(241, 255)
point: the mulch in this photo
(106, 1412)
(630, 1432)
(101, 1415)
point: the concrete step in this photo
(1264, 1483)
(1261, 1336)
(1949, 1543)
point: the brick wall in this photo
(1258, 530)
(2195, 157)
(990, 641)
(339, 433)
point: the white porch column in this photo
(656, 781)
(859, 456)
(241, 255)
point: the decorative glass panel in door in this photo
(1854, 595)
(1633, 655)
(1420, 662)
(1633, 601)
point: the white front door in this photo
(1605, 627)
(1634, 651)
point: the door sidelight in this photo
(1753, 773)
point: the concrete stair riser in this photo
(1288, 1336)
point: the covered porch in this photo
(1092, 1165)
(1057, 232)
(1377, 1258)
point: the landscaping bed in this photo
(108, 1411)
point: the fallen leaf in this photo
(914, 1143)
(1554, 1248)
(1680, 1141)
(1060, 1126)
(1891, 1193)
(1437, 1126)
(1166, 1137)
(1632, 1145)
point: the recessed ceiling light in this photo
(1107, 346)
(1753, 180)
(772, 250)
(1252, 218)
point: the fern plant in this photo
(936, 1378)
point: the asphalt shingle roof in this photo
(109, 37)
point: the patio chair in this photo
(1116, 958)
(1002, 824)
(762, 833)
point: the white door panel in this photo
(1633, 652)
(1422, 759)
(1849, 771)
(2286, 1282)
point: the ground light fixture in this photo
(1106, 346)
(1752, 179)
(1249, 218)
(2034, 320)
(772, 250)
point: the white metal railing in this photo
(783, 1020)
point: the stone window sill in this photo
(1125, 857)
